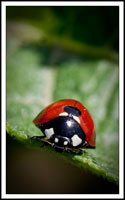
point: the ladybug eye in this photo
(72, 110)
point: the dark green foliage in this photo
(93, 25)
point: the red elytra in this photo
(53, 110)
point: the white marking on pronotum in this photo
(65, 142)
(56, 140)
(63, 114)
(76, 119)
(49, 132)
(76, 140)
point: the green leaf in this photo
(30, 88)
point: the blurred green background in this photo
(56, 53)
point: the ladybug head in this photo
(72, 111)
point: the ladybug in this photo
(67, 125)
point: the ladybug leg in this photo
(47, 142)
(85, 144)
(73, 150)
(79, 151)
(38, 137)
(57, 148)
